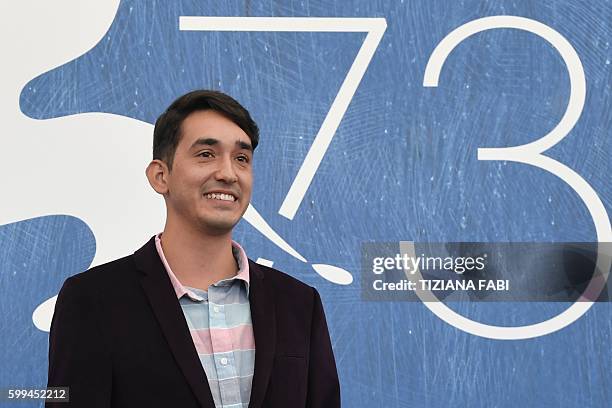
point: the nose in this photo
(225, 171)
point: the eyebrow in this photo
(209, 141)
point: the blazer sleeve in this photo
(323, 383)
(78, 357)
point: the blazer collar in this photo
(167, 310)
(263, 316)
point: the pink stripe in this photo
(210, 341)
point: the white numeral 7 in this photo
(375, 27)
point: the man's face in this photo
(211, 178)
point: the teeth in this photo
(221, 196)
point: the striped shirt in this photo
(220, 324)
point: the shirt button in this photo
(216, 309)
(224, 361)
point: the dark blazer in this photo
(119, 339)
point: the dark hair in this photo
(167, 132)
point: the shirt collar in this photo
(180, 290)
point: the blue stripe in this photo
(198, 315)
(245, 359)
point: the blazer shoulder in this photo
(104, 275)
(283, 282)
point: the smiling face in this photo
(209, 186)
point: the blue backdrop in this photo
(401, 166)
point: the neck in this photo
(198, 259)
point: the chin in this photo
(218, 226)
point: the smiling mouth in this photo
(220, 196)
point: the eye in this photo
(243, 158)
(206, 154)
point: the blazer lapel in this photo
(263, 316)
(167, 310)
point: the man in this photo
(188, 320)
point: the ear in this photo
(157, 172)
